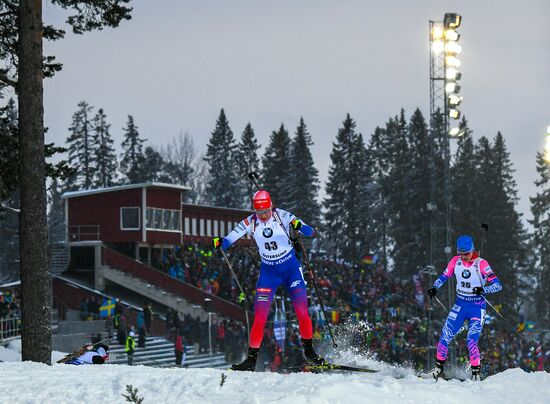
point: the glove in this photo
(216, 242)
(478, 290)
(432, 292)
(296, 224)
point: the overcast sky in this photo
(177, 62)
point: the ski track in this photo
(27, 382)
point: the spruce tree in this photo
(276, 168)
(343, 218)
(304, 180)
(105, 162)
(223, 183)
(248, 161)
(151, 167)
(465, 213)
(412, 206)
(396, 188)
(540, 208)
(377, 166)
(81, 156)
(504, 243)
(132, 153)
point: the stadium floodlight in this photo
(452, 20)
(454, 113)
(456, 132)
(452, 87)
(451, 35)
(454, 100)
(452, 61)
(453, 74)
(437, 32)
(438, 46)
(453, 48)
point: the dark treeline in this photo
(377, 197)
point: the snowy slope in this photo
(37, 383)
(12, 352)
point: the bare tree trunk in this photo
(35, 278)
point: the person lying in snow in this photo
(88, 355)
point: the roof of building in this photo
(117, 188)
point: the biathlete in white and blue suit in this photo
(270, 227)
(474, 277)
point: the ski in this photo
(329, 367)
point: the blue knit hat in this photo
(464, 244)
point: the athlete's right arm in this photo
(449, 271)
(239, 231)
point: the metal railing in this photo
(84, 233)
(10, 327)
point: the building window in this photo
(201, 227)
(222, 228)
(209, 228)
(194, 227)
(166, 219)
(187, 226)
(157, 221)
(149, 219)
(129, 218)
(163, 219)
(176, 220)
(216, 232)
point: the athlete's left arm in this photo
(288, 218)
(492, 283)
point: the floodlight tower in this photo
(444, 102)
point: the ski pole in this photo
(321, 302)
(247, 300)
(254, 176)
(500, 315)
(441, 304)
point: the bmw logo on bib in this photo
(466, 274)
(267, 232)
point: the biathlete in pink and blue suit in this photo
(270, 227)
(474, 277)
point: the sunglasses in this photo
(263, 212)
(465, 253)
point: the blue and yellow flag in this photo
(107, 308)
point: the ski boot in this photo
(249, 364)
(476, 373)
(436, 372)
(311, 356)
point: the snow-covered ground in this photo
(12, 352)
(29, 382)
(36, 383)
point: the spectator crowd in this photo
(390, 315)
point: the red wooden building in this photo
(140, 222)
(138, 219)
